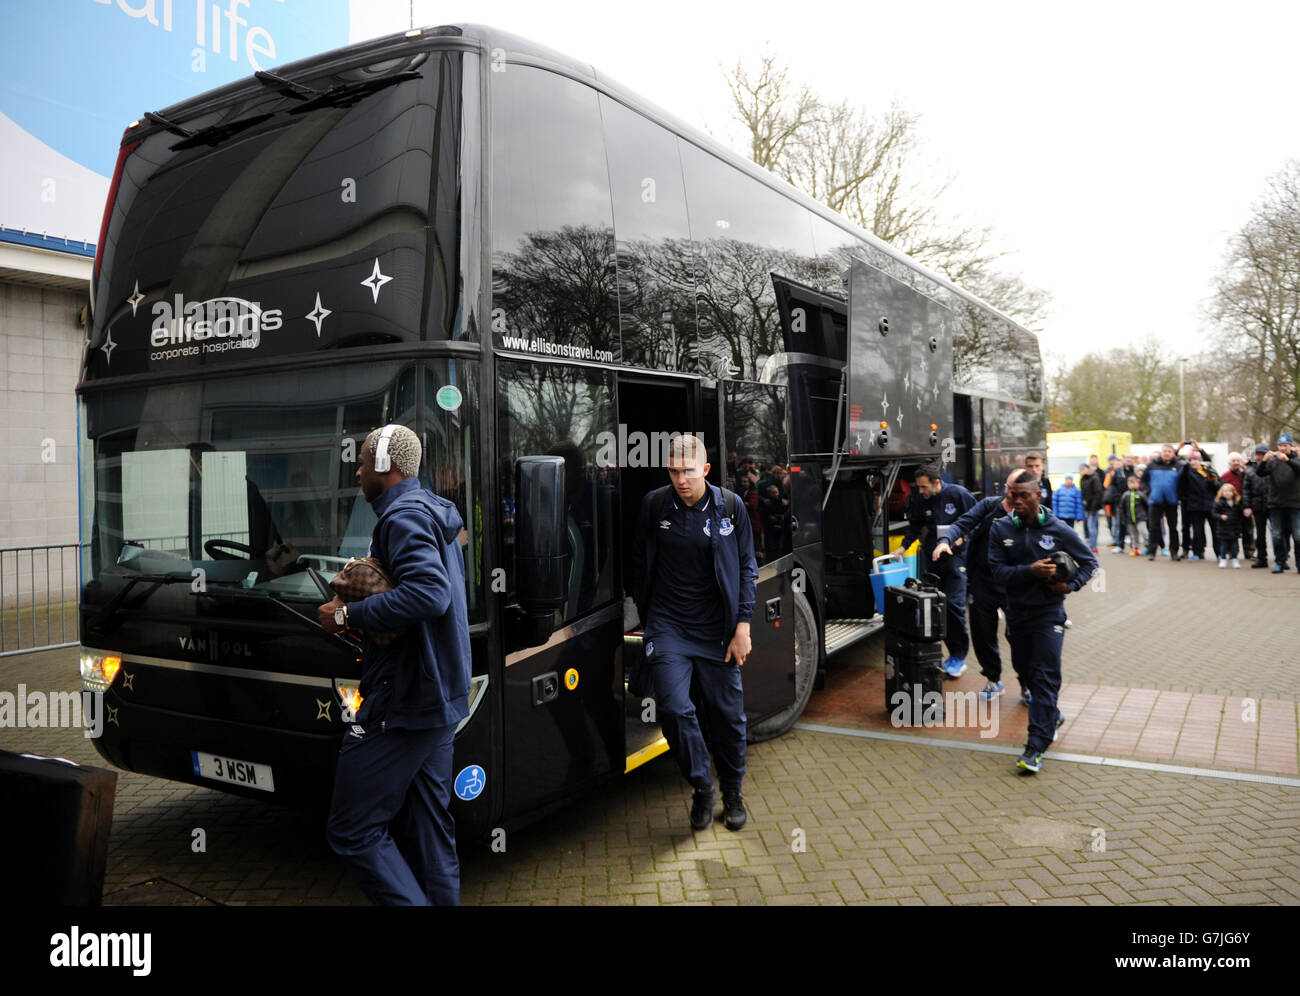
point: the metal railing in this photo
(38, 597)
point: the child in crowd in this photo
(1067, 503)
(1228, 522)
(1133, 511)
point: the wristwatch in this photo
(341, 616)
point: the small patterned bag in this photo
(359, 579)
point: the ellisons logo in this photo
(211, 326)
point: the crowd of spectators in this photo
(1178, 505)
(764, 488)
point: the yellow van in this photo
(1066, 450)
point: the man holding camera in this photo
(1036, 559)
(1283, 469)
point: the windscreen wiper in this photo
(214, 135)
(170, 126)
(287, 87)
(352, 643)
(157, 580)
(347, 94)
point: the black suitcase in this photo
(57, 819)
(916, 610)
(912, 670)
(848, 587)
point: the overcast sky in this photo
(1113, 146)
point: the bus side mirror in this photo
(541, 543)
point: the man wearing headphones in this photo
(984, 595)
(396, 757)
(1020, 548)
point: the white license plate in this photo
(228, 769)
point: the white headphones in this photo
(382, 462)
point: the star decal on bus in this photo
(375, 281)
(108, 347)
(322, 709)
(318, 314)
(135, 298)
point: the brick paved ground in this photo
(838, 818)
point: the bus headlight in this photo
(98, 670)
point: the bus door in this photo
(650, 410)
(562, 703)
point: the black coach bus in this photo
(477, 237)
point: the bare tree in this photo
(1256, 307)
(772, 111)
(1134, 389)
(864, 166)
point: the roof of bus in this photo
(523, 50)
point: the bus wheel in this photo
(805, 671)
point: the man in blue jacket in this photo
(695, 575)
(397, 754)
(935, 506)
(1019, 549)
(1160, 484)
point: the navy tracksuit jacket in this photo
(927, 516)
(1035, 615)
(676, 653)
(985, 595)
(394, 767)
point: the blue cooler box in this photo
(887, 572)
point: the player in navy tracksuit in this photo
(394, 765)
(1019, 547)
(695, 580)
(971, 534)
(935, 506)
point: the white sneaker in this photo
(1117, 549)
(1222, 562)
(1236, 563)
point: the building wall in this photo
(40, 359)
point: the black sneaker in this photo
(733, 811)
(702, 809)
(1260, 563)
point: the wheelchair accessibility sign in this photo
(470, 782)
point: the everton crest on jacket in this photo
(930, 518)
(1015, 545)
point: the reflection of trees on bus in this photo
(555, 406)
(678, 304)
(560, 286)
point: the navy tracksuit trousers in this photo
(984, 605)
(954, 589)
(400, 778)
(674, 663)
(1036, 638)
